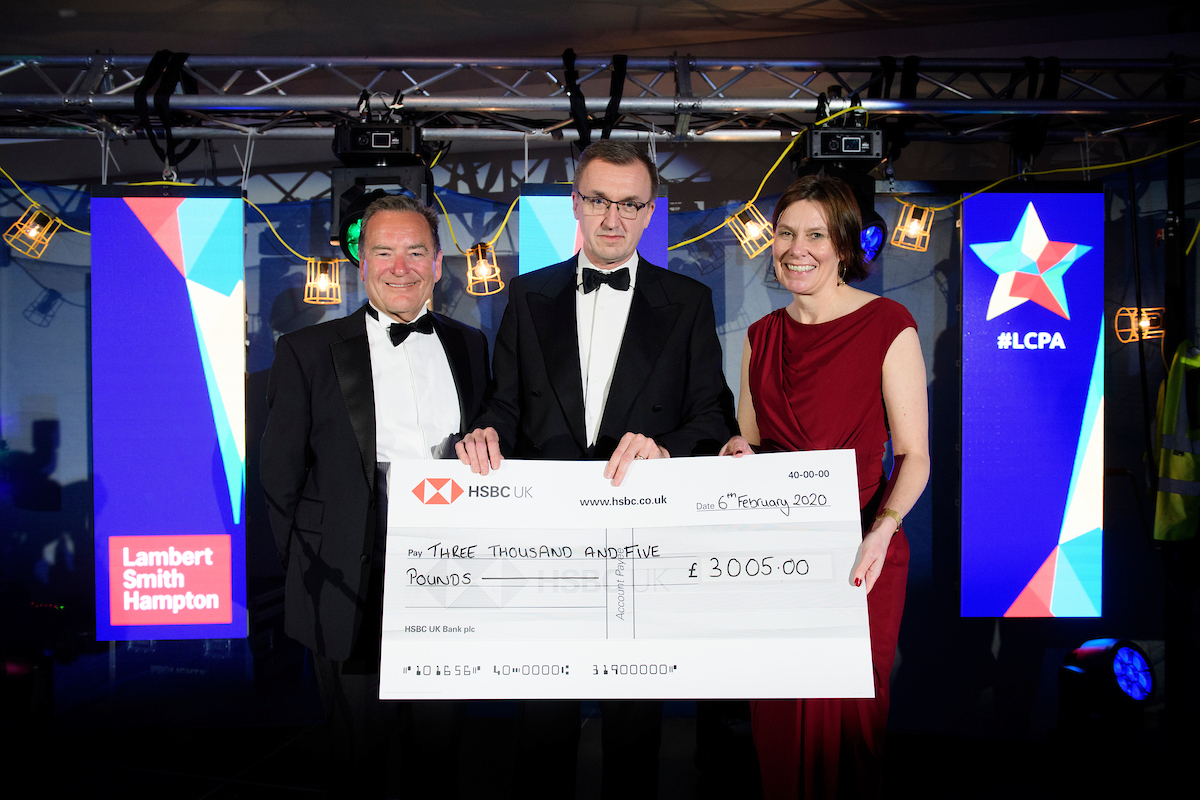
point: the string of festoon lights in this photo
(31, 234)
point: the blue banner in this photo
(168, 415)
(1032, 405)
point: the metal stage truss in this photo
(665, 98)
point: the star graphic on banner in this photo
(1029, 266)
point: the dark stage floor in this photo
(128, 760)
(215, 720)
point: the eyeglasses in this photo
(596, 206)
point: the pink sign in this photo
(170, 580)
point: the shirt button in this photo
(366, 559)
(657, 407)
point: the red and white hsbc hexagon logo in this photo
(437, 491)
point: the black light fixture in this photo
(844, 147)
(1104, 681)
(874, 229)
(349, 223)
(1118, 666)
(381, 148)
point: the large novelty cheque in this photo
(697, 578)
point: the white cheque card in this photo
(697, 578)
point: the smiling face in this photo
(399, 264)
(805, 258)
(609, 239)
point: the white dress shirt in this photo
(601, 316)
(416, 401)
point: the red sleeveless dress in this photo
(820, 387)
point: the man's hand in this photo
(632, 447)
(480, 450)
(736, 447)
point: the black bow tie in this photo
(399, 331)
(618, 279)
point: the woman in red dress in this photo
(837, 368)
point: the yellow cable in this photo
(39, 205)
(272, 227)
(446, 214)
(706, 233)
(500, 230)
(248, 202)
(778, 161)
(252, 205)
(19, 189)
(72, 227)
(490, 241)
(1192, 243)
(1060, 170)
(758, 191)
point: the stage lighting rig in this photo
(381, 136)
(1104, 684)
(381, 148)
(874, 229)
(844, 147)
(375, 145)
(846, 137)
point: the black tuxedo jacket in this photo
(318, 468)
(667, 383)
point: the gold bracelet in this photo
(889, 512)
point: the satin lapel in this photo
(554, 320)
(455, 346)
(352, 364)
(652, 317)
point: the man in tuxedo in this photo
(392, 380)
(607, 357)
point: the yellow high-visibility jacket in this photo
(1177, 510)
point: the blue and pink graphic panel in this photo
(1033, 405)
(549, 233)
(168, 413)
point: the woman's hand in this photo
(873, 552)
(736, 447)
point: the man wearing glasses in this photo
(602, 357)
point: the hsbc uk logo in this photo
(443, 491)
(437, 491)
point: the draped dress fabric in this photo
(820, 387)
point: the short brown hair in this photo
(619, 153)
(402, 202)
(842, 215)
